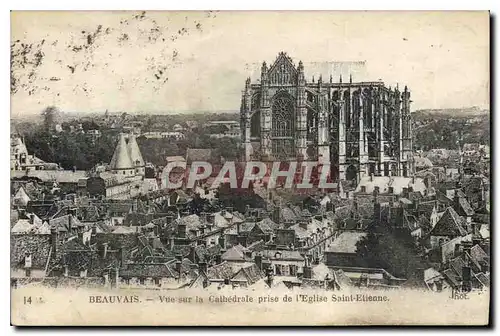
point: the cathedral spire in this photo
(331, 79)
(350, 78)
(340, 79)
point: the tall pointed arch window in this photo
(283, 126)
(283, 116)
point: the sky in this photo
(173, 62)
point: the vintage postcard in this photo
(324, 168)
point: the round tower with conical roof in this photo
(136, 156)
(121, 163)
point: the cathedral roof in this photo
(121, 158)
(134, 151)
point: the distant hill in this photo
(455, 112)
(444, 127)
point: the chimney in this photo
(169, 219)
(192, 254)
(21, 212)
(359, 226)
(258, 261)
(269, 276)
(172, 243)
(211, 219)
(238, 228)
(405, 192)
(178, 268)
(122, 256)
(222, 239)
(377, 209)
(223, 212)
(80, 237)
(181, 230)
(104, 250)
(276, 215)
(303, 224)
(466, 279)
(456, 201)
(476, 234)
(218, 257)
(70, 223)
(371, 177)
(307, 272)
(54, 240)
(467, 247)
(32, 219)
(203, 267)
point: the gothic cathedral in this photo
(358, 128)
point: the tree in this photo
(50, 116)
(392, 251)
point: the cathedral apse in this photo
(358, 128)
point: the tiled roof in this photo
(426, 208)
(453, 277)
(282, 255)
(235, 253)
(251, 272)
(411, 222)
(478, 254)
(457, 264)
(148, 270)
(464, 208)
(450, 224)
(192, 222)
(24, 225)
(62, 223)
(483, 279)
(224, 270)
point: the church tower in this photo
(135, 155)
(406, 137)
(120, 162)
